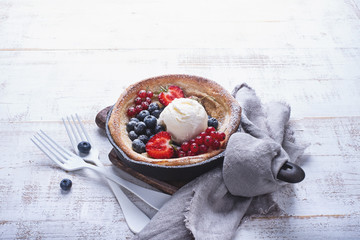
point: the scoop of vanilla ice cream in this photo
(184, 119)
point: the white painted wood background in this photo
(61, 57)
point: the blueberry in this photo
(140, 128)
(134, 119)
(153, 106)
(130, 126)
(84, 147)
(138, 146)
(156, 113)
(132, 135)
(159, 128)
(143, 138)
(65, 184)
(143, 114)
(149, 132)
(212, 122)
(150, 121)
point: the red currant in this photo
(145, 105)
(131, 112)
(190, 153)
(142, 94)
(185, 146)
(147, 99)
(149, 94)
(181, 153)
(138, 100)
(192, 141)
(213, 134)
(215, 144)
(199, 140)
(194, 148)
(209, 130)
(208, 141)
(203, 134)
(203, 149)
(221, 136)
(138, 108)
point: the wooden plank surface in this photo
(62, 57)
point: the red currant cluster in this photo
(142, 102)
(201, 144)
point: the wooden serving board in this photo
(169, 187)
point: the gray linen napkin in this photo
(212, 205)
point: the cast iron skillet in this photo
(289, 172)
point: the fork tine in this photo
(76, 136)
(63, 150)
(83, 129)
(53, 156)
(70, 135)
(81, 134)
(44, 151)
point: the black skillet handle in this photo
(291, 173)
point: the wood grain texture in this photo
(62, 57)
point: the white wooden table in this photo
(63, 57)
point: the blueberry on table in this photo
(153, 106)
(213, 122)
(65, 184)
(156, 113)
(84, 147)
(150, 121)
(143, 114)
(132, 135)
(138, 146)
(143, 138)
(140, 128)
(130, 126)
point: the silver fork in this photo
(134, 217)
(71, 162)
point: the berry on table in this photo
(138, 146)
(84, 147)
(65, 184)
